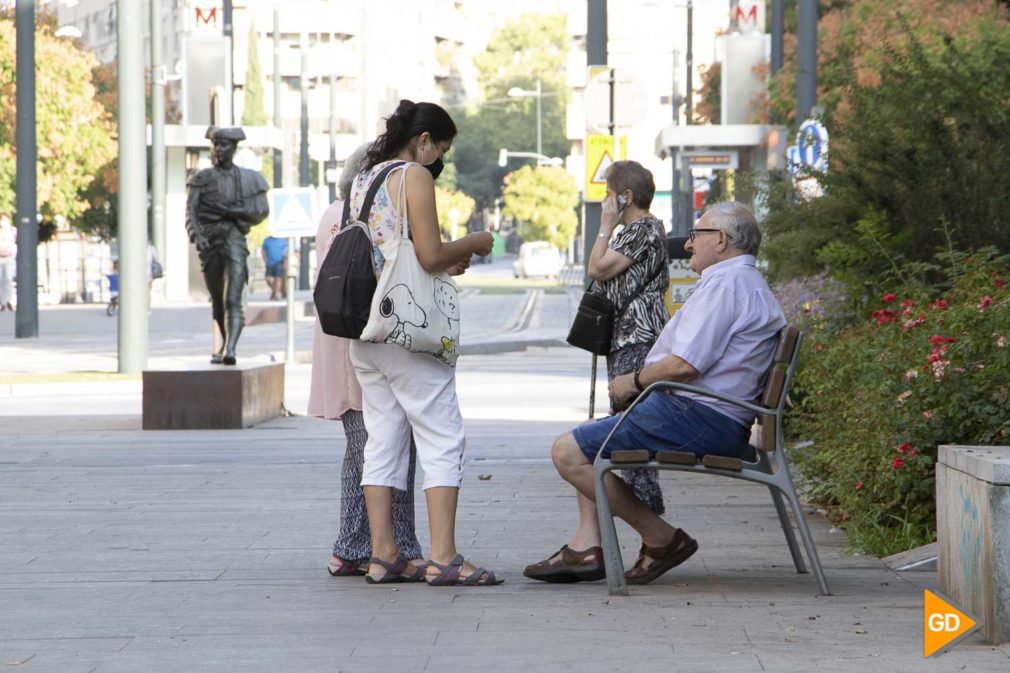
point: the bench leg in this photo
(808, 540)
(616, 584)
(787, 528)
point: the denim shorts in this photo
(275, 270)
(665, 422)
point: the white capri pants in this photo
(403, 391)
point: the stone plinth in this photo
(973, 531)
(211, 397)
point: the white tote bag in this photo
(411, 307)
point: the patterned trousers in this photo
(643, 482)
(354, 543)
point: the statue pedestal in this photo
(213, 397)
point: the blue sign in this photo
(812, 146)
(293, 212)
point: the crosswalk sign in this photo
(294, 212)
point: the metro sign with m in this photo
(747, 16)
(204, 17)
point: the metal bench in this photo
(768, 464)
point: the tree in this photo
(543, 199)
(853, 37)
(920, 155)
(254, 109)
(100, 216)
(76, 134)
(453, 205)
(526, 49)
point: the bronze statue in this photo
(222, 204)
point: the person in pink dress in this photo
(335, 394)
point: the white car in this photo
(537, 258)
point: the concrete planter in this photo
(973, 531)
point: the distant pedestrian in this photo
(274, 251)
(154, 269)
(335, 394)
(8, 254)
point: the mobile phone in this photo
(622, 202)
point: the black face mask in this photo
(435, 168)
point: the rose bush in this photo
(877, 398)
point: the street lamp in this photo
(504, 155)
(517, 92)
(70, 31)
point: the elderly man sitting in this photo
(723, 339)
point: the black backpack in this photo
(347, 280)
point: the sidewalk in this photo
(201, 551)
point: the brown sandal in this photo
(663, 558)
(570, 566)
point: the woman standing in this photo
(334, 394)
(403, 391)
(630, 269)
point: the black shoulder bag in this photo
(346, 280)
(594, 321)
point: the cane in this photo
(592, 390)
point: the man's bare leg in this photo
(575, 468)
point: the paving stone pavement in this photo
(133, 551)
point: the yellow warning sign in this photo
(599, 155)
(942, 623)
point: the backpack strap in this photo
(366, 205)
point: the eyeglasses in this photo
(694, 232)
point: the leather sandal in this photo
(569, 566)
(448, 575)
(663, 558)
(345, 568)
(396, 572)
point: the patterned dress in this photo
(636, 330)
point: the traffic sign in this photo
(812, 146)
(294, 212)
(599, 155)
(631, 100)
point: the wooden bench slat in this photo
(767, 432)
(630, 456)
(723, 463)
(676, 457)
(787, 345)
(774, 385)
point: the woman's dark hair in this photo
(410, 120)
(622, 175)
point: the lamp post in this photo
(303, 164)
(518, 92)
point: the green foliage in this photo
(925, 147)
(449, 202)
(75, 132)
(927, 368)
(532, 47)
(254, 110)
(543, 199)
